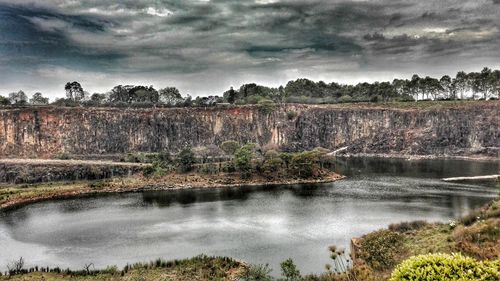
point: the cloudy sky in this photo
(205, 46)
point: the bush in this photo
(479, 240)
(444, 267)
(381, 248)
(97, 185)
(304, 164)
(230, 147)
(62, 156)
(186, 160)
(257, 273)
(290, 115)
(345, 99)
(148, 171)
(272, 164)
(407, 226)
(243, 157)
(266, 106)
(133, 158)
(289, 270)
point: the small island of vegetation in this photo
(231, 164)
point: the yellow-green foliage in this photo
(445, 267)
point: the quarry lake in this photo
(255, 224)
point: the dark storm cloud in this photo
(205, 46)
(31, 36)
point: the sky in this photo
(203, 47)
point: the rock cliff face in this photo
(466, 129)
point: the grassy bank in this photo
(197, 268)
(477, 235)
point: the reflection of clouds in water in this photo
(264, 224)
(257, 224)
(34, 254)
(387, 187)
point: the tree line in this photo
(473, 85)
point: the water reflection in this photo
(425, 168)
(190, 196)
(258, 224)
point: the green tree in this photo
(230, 147)
(461, 83)
(272, 164)
(243, 157)
(286, 157)
(345, 99)
(74, 91)
(96, 99)
(4, 101)
(289, 271)
(486, 82)
(266, 106)
(304, 164)
(414, 86)
(230, 95)
(448, 87)
(170, 96)
(186, 160)
(38, 99)
(18, 98)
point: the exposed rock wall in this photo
(468, 129)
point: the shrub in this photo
(243, 157)
(304, 164)
(376, 98)
(186, 160)
(230, 147)
(164, 157)
(345, 99)
(228, 167)
(266, 106)
(134, 158)
(407, 226)
(62, 156)
(148, 171)
(444, 267)
(257, 273)
(289, 270)
(479, 240)
(272, 164)
(110, 270)
(381, 248)
(98, 185)
(291, 115)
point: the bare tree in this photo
(87, 266)
(16, 267)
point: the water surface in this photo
(255, 224)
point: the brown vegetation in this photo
(476, 235)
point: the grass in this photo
(476, 235)
(197, 268)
